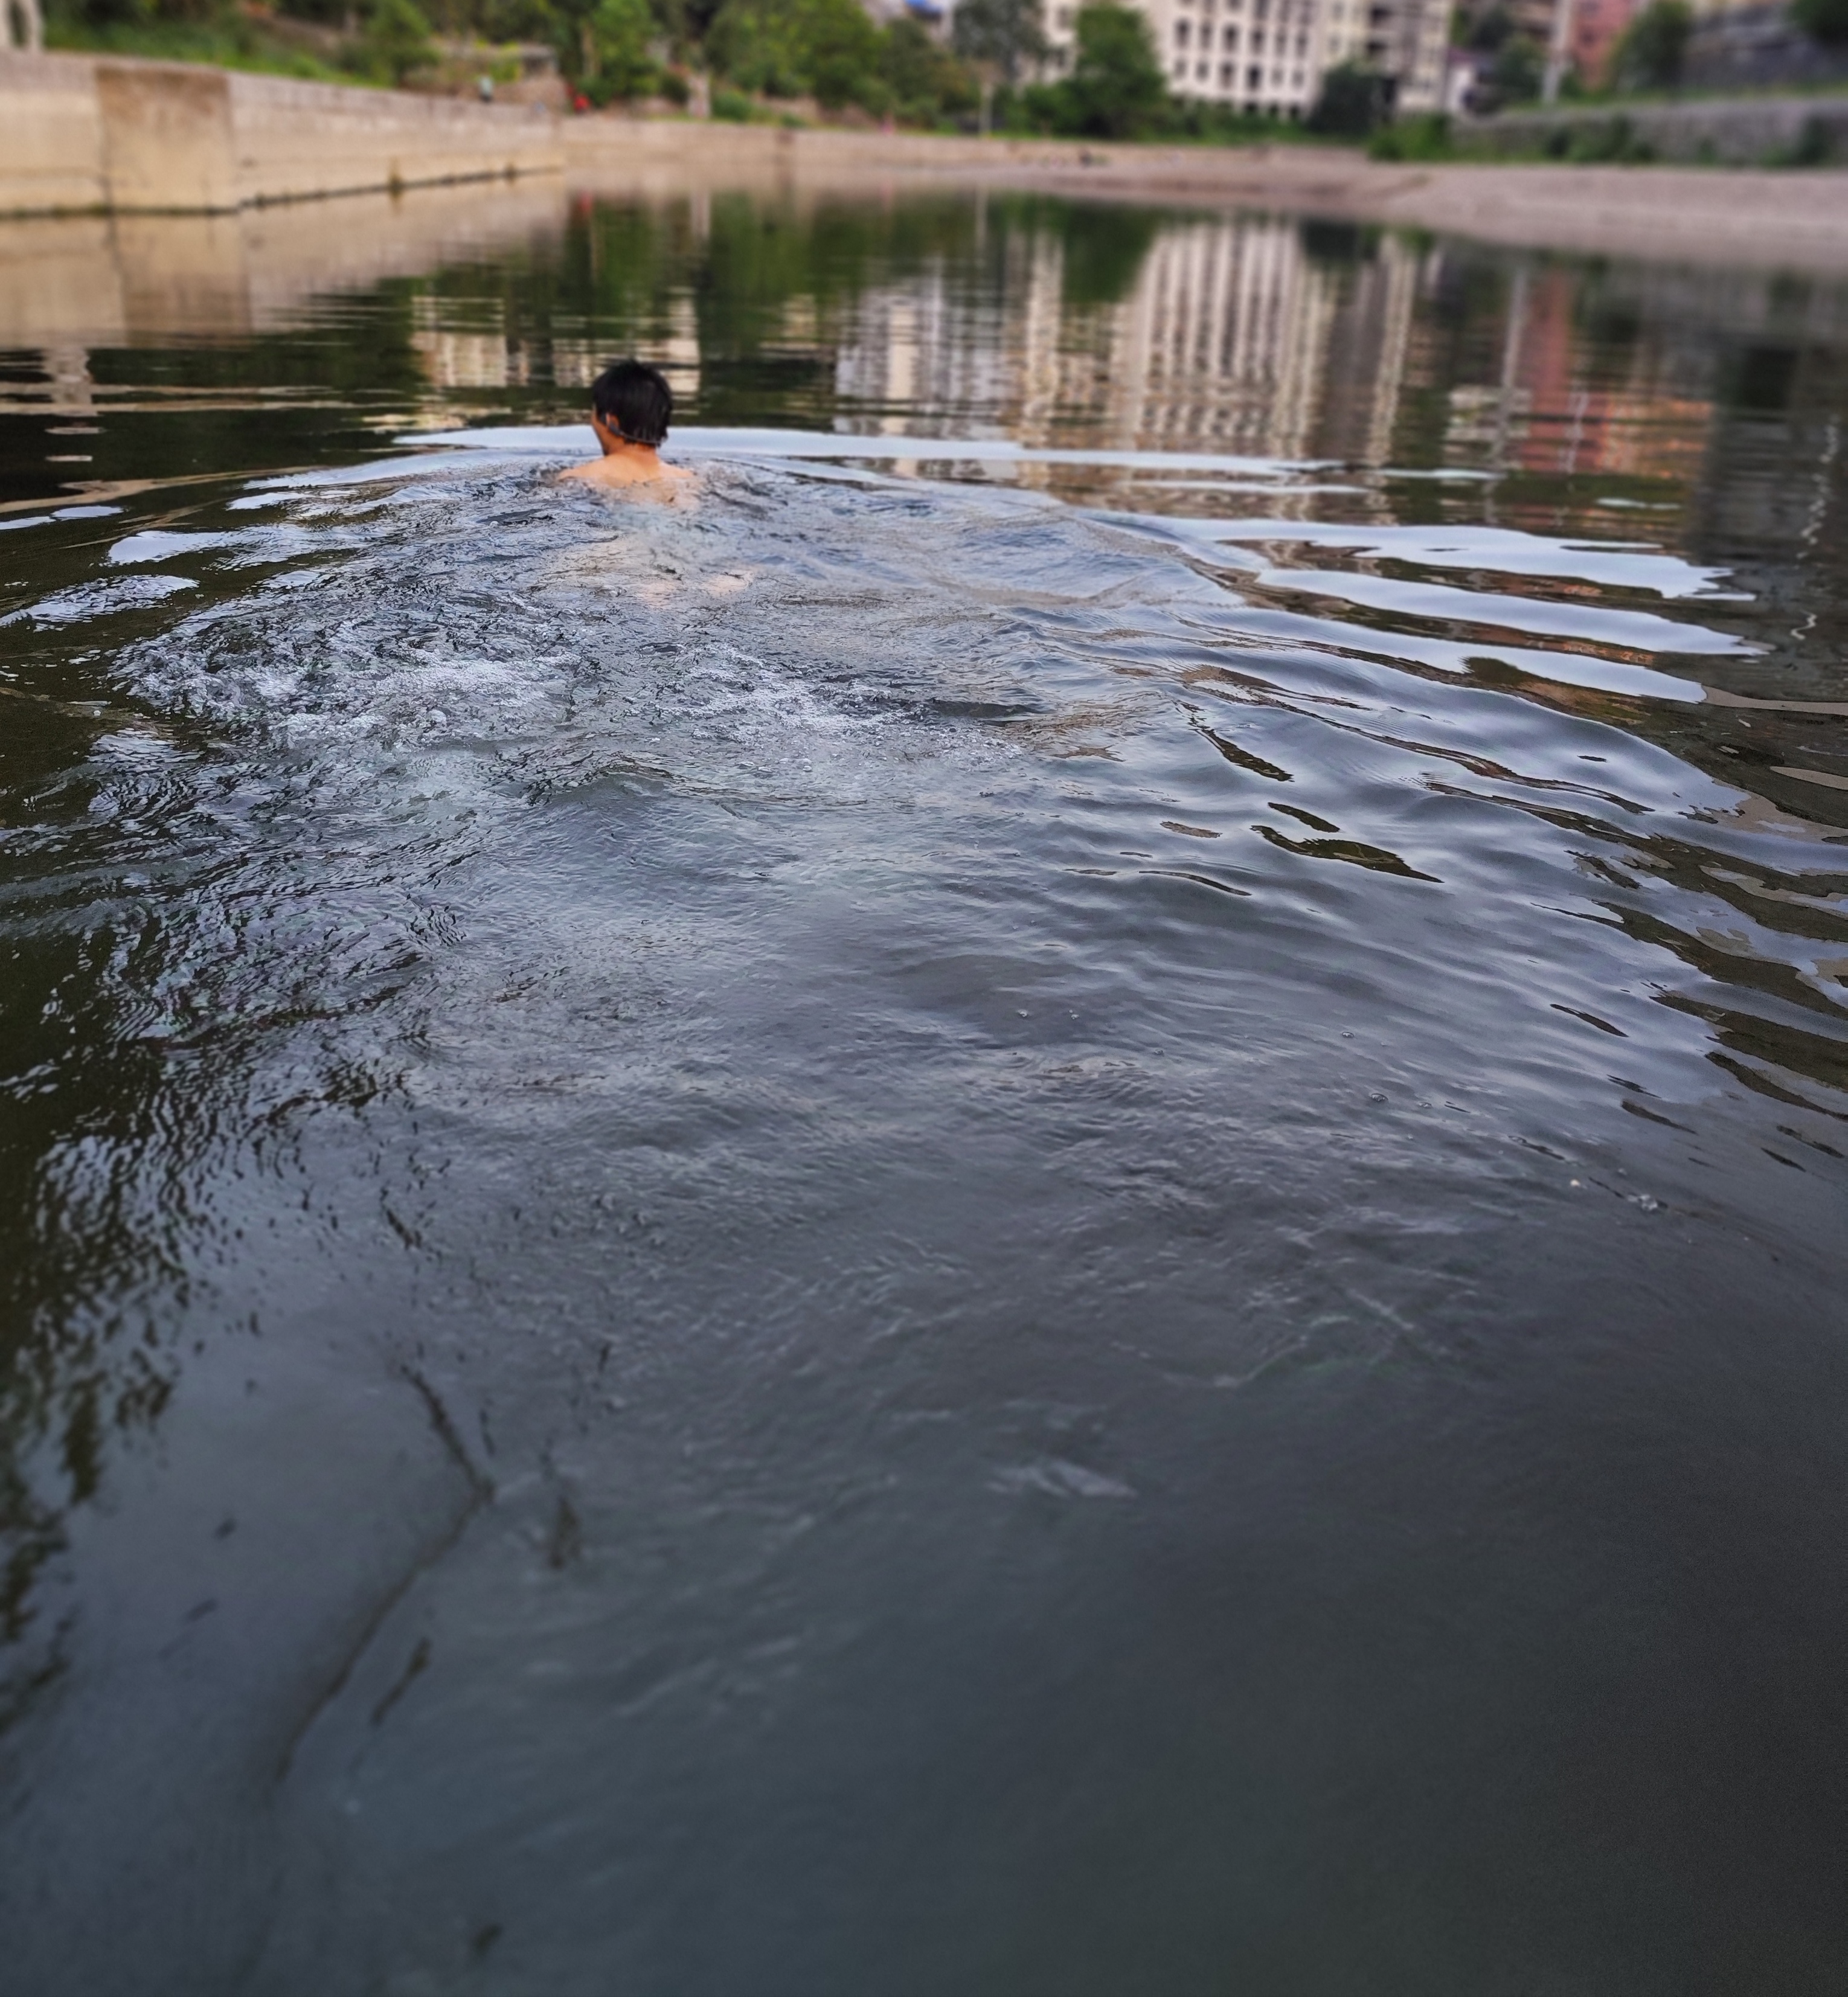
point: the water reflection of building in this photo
(1232, 339)
(463, 343)
(1551, 411)
(671, 343)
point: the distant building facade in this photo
(1270, 56)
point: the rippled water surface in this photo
(1054, 1204)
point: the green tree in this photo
(841, 54)
(785, 47)
(397, 40)
(619, 43)
(926, 81)
(1116, 89)
(1518, 71)
(1654, 48)
(1825, 21)
(1352, 100)
(1007, 36)
(1490, 30)
(758, 44)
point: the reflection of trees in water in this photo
(88, 1272)
(151, 963)
(1104, 247)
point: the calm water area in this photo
(1054, 1205)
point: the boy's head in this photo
(633, 400)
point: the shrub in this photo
(732, 105)
(1426, 136)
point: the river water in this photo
(1054, 1205)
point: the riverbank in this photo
(80, 135)
(1760, 218)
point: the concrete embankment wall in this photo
(1741, 131)
(80, 132)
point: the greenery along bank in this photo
(767, 58)
(764, 57)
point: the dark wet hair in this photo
(634, 400)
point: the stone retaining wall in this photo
(1740, 131)
(1755, 46)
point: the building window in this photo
(1225, 76)
(1254, 79)
(1230, 38)
(1180, 34)
(1202, 71)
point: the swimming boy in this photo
(630, 406)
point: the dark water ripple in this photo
(891, 1236)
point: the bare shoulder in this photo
(656, 481)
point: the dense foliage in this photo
(760, 55)
(1826, 20)
(1654, 48)
(1005, 37)
(1116, 89)
(1354, 99)
(1517, 64)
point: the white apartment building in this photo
(1271, 55)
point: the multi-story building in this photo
(1270, 56)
